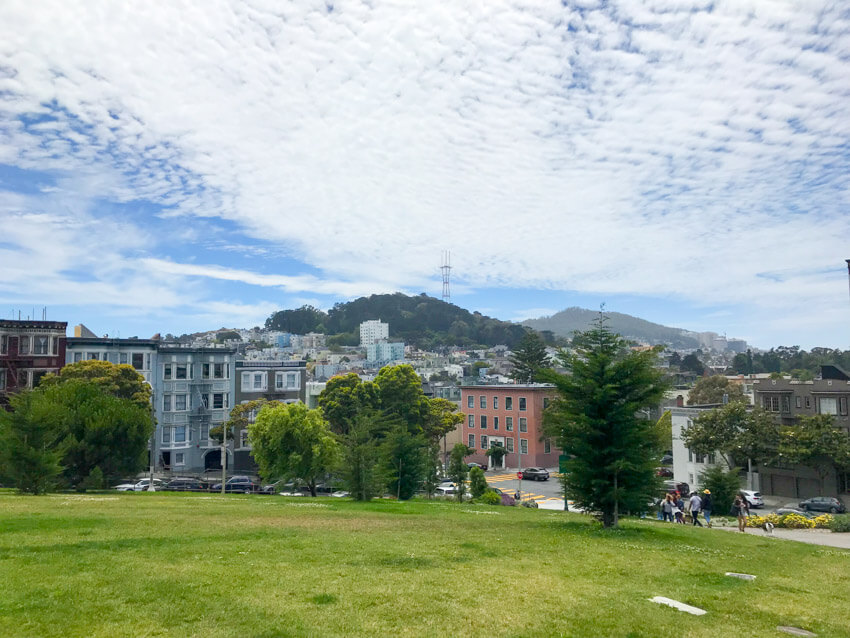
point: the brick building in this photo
(510, 415)
(28, 351)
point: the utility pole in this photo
(223, 457)
(151, 487)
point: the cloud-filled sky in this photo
(179, 166)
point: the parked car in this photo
(823, 504)
(535, 474)
(753, 498)
(447, 489)
(144, 484)
(791, 508)
(185, 485)
(237, 485)
(277, 487)
(673, 486)
(667, 459)
(126, 485)
(664, 472)
(472, 465)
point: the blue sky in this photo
(179, 167)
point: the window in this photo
(166, 370)
(166, 403)
(547, 446)
(509, 403)
(484, 441)
(205, 371)
(205, 432)
(138, 360)
(809, 402)
(24, 345)
(287, 380)
(41, 345)
(786, 403)
(495, 403)
(523, 446)
(254, 381)
(78, 356)
(470, 401)
(36, 377)
(94, 356)
(545, 402)
(495, 423)
(23, 378)
(166, 435)
(483, 421)
(522, 404)
(482, 400)
(243, 438)
(123, 358)
(4, 344)
(2, 379)
(510, 445)
(828, 405)
(774, 404)
(690, 456)
(179, 458)
(179, 402)
(470, 421)
(798, 402)
(219, 401)
(205, 401)
(221, 371)
(180, 434)
(509, 423)
(471, 442)
(180, 371)
(523, 424)
(712, 458)
(842, 406)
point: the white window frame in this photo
(831, 406)
(547, 446)
(470, 401)
(35, 345)
(166, 436)
(2, 379)
(166, 403)
(523, 424)
(471, 441)
(523, 404)
(185, 401)
(179, 434)
(24, 344)
(523, 446)
(509, 424)
(243, 438)
(470, 421)
(482, 401)
(495, 403)
(509, 445)
(179, 458)
(495, 423)
(485, 441)
(509, 403)
(26, 378)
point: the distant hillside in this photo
(566, 322)
(419, 320)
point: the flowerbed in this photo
(791, 521)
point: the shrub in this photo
(797, 521)
(723, 485)
(491, 498)
(823, 521)
(477, 482)
(840, 523)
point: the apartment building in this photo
(28, 351)
(373, 331)
(510, 415)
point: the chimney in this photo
(680, 401)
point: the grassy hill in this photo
(566, 322)
(138, 564)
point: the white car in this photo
(446, 489)
(142, 486)
(753, 498)
(125, 487)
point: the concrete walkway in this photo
(812, 536)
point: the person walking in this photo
(667, 507)
(705, 506)
(679, 509)
(695, 502)
(741, 509)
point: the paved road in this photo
(547, 494)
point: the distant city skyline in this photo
(176, 168)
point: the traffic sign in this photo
(519, 475)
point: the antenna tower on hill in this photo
(446, 268)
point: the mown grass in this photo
(139, 564)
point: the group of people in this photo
(674, 507)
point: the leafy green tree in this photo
(458, 470)
(736, 433)
(442, 417)
(405, 456)
(293, 441)
(595, 419)
(708, 390)
(31, 449)
(723, 484)
(816, 442)
(691, 363)
(664, 430)
(361, 469)
(433, 467)
(121, 381)
(344, 398)
(528, 358)
(477, 482)
(400, 392)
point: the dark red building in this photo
(28, 351)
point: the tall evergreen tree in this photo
(528, 358)
(595, 420)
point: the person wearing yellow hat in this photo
(705, 506)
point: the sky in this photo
(189, 165)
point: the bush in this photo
(723, 485)
(840, 523)
(94, 481)
(477, 482)
(791, 521)
(491, 498)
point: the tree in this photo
(361, 468)
(405, 455)
(241, 417)
(528, 358)
(692, 363)
(433, 466)
(708, 390)
(293, 441)
(442, 417)
(816, 442)
(595, 419)
(496, 454)
(723, 485)
(344, 398)
(121, 381)
(400, 392)
(477, 482)
(458, 469)
(30, 443)
(736, 433)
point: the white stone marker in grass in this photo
(696, 611)
(796, 631)
(741, 576)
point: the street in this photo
(547, 494)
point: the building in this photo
(272, 380)
(28, 351)
(510, 415)
(139, 353)
(687, 466)
(373, 331)
(382, 353)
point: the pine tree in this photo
(528, 358)
(613, 450)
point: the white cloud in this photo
(648, 148)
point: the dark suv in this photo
(535, 474)
(186, 485)
(238, 485)
(822, 504)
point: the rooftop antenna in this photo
(848, 267)
(446, 268)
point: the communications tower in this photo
(446, 268)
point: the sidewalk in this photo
(813, 536)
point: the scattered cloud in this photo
(672, 148)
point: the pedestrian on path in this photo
(667, 506)
(741, 509)
(679, 509)
(705, 506)
(695, 502)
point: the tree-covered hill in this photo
(419, 320)
(566, 322)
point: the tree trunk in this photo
(312, 488)
(616, 502)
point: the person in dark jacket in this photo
(706, 506)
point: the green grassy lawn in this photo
(138, 564)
